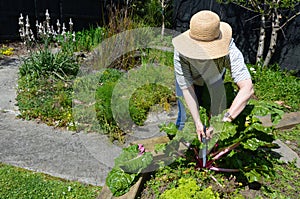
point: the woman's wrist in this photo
(227, 117)
(199, 126)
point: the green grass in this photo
(272, 84)
(286, 183)
(21, 183)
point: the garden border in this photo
(288, 120)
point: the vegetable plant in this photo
(128, 165)
(241, 146)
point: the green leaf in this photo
(188, 133)
(170, 128)
(224, 130)
(159, 147)
(257, 173)
(203, 116)
(253, 143)
(131, 161)
(253, 176)
(259, 127)
(119, 182)
(263, 108)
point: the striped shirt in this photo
(192, 71)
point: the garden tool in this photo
(205, 148)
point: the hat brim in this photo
(195, 49)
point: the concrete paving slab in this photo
(287, 154)
(8, 85)
(74, 156)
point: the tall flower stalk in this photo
(45, 32)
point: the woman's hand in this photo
(201, 134)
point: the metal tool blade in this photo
(204, 150)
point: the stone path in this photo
(74, 156)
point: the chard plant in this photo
(241, 146)
(128, 166)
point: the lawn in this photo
(20, 183)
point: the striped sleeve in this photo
(182, 72)
(239, 70)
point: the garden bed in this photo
(140, 188)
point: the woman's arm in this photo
(240, 101)
(192, 103)
(242, 78)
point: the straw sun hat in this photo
(207, 38)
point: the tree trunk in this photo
(275, 27)
(163, 18)
(261, 41)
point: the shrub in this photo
(147, 96)
(107, 80)
(188, 189)
(139, 103)
(47, 99)
(45, 87)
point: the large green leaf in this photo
(224, 130)
(137, 164)
(253, 144)
(258, 173)
(131, 161)
(170, 128)
(119, 182)
(188, 133)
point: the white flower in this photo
(252, 70)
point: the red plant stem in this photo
(224, 151)
(196, 152)
(214, 179)
(223, 170)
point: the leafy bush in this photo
(139, 104)
(151, 12)
(45, 84)
(167, 178)
(86, 40)
(108, 80)
(188, 189)
(147, 96)
(46, 63)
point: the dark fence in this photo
(84, 14)
(245, 27)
